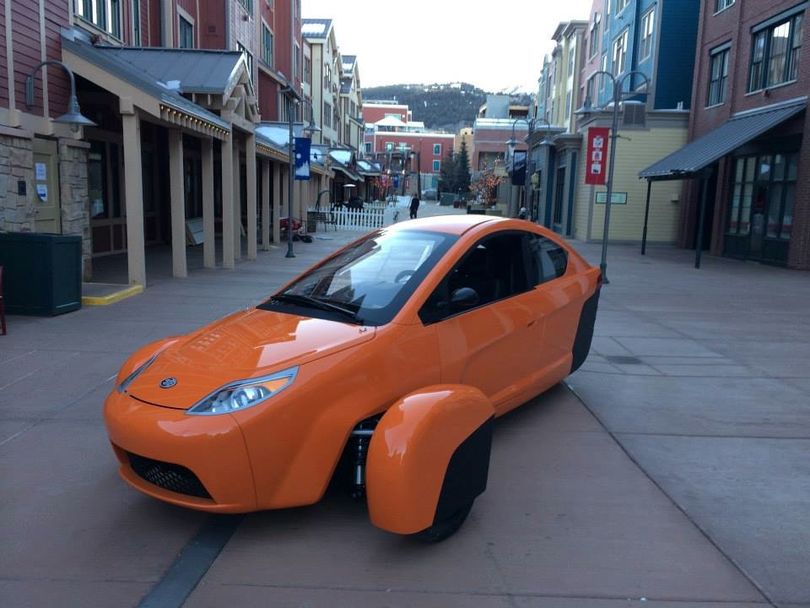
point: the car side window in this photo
(547, 259)
(494, 269)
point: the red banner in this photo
(596, 161)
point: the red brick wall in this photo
(372, 113)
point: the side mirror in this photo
(464, 297)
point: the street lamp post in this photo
(585, 111)
(512, 143)
(292, 101)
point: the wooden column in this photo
(266, 196)
(209, 239)
(277, 199)
(237, 203)
(179, 265)
(227, 202)
(133, 188)
(250, 172)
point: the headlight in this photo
(128, 380)
(243, 394)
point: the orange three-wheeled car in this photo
(395, 353)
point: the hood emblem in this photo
(168, 382)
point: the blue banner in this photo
(302, 145)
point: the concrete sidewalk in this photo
(702, 376)
(684, 482)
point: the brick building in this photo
(747, 152)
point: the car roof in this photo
(450, 224)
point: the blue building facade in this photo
(656, 38)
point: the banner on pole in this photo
(596, 161)
(302, 145)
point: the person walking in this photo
(414, 206)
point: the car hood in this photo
(248, 344)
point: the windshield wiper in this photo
(295, 298)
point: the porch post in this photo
(646, 218)
(266, 196)
(250, 171)
(209, 239)
(227, 202)
(277, 202)
(237, 203)
(179, 265)
(133, 187)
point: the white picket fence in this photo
(360, 220)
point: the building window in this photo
(136, 23)
(308, 70)
(437, 149)
(568, 102)
(647, 26)
(590, 88)
(602, 79)
(248, 58)
(267, 45)
(437, 166)
(368, 147)
(775, 53)
(763, 196)
(718, 74)
(327, 76)
(721, 5)
(572, 53)
(185, 34)
(620, 4)
(297, 59)
(104, 14)
(620, 53)
(327, 114)
(248, 5)
(593, 38)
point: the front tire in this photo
(441, 530)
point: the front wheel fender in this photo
(428, 456)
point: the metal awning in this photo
(738, 130)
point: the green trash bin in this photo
(43, 272)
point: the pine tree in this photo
(462, 170)
(447, 173)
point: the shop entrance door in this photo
(46, 187)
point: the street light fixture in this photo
(512, 144)
(584, 112)
(73, 116)
(293, 99)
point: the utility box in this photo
(42, 272)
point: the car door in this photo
(557, 296)
(489, 344)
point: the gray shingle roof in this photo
(315, 28)
(741, 128)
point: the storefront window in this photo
(764, 192)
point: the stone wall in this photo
(17, 211)
(74, 196)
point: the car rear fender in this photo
(429, 456)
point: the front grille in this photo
(168, 476)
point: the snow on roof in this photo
(390, 121)
(315, 27)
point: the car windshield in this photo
(369, 281)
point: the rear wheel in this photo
(440, 530)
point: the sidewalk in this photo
(689, 488)
(702, 376)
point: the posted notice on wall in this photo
(40, 172)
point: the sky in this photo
(496, 45)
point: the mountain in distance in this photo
(447, 107)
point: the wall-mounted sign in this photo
(302, 155)
(597, 154)
(616, 198)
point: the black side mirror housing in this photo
(464, 297)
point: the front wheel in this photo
(440, 530)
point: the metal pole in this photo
(646, 217)
(290, 179)
(613, 136)
(704, 195)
